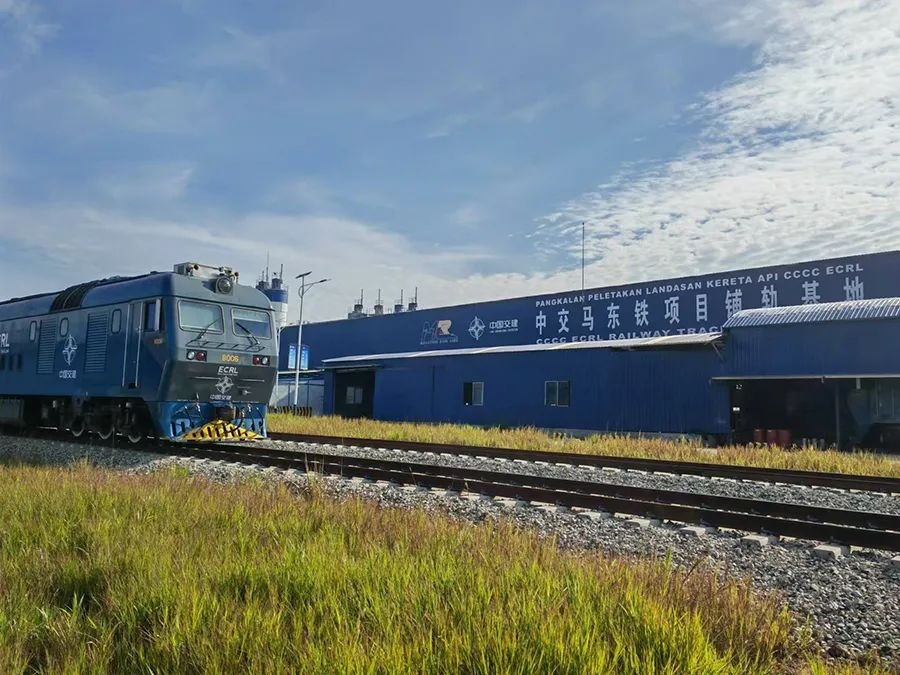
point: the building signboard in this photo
(292, 357)
(687, 305)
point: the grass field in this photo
(534, 439)
(103, 572)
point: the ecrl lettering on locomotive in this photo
(68, 374)
(4, 343)
(228, 370)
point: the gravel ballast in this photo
(853, 603)
(796, 494)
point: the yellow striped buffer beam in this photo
(219, 430)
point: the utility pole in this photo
(304, 287)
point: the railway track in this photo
(839, 526)
(710, 470)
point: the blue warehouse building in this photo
(606, 386)
(808, 349)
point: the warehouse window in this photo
(557, 393)
(354, 396)
(886, 401)
(473, 393)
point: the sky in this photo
(456, 148)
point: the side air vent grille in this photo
(47, 347)
(95, 352)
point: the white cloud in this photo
(102, 242)
(28, 26)
(799, 158)
(306, 195)
(469, 216)
(264, 53)
(448, 124)
(154, 182)
(173, 107)
(532, 112)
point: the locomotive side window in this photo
(200, 316)
(152, 321)
(32, 331)
(116, 324)
(64, 327)
(251, 322)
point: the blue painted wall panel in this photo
(611, 390)
(405, 394)
(677, 306)
(848, 348)
(668, 390)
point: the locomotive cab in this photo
(222, 358)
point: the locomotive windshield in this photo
(200, 316)
(251, 322)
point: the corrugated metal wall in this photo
(645, 390)
(641, 391)
(846, 348)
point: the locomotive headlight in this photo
(195, 355)
(224, 284)
(191, 354)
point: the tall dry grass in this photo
(102, 572)
(529, 438)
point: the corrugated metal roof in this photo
(635, 343)
(851, 310)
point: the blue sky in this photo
(453, 147)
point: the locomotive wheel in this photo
(106, 430)
(77, 428)
(135, 437)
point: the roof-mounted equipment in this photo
(223, 278)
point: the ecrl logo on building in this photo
(438, 332)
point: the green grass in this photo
(866, 463)
(103, 572)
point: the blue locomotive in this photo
(183, 355)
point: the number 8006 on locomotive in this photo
(183, 355)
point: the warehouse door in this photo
(807, 409)
(354, 393)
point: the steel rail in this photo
(851, 528)
(753, 473)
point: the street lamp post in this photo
(304, 287)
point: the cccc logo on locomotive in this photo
(69, 348)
